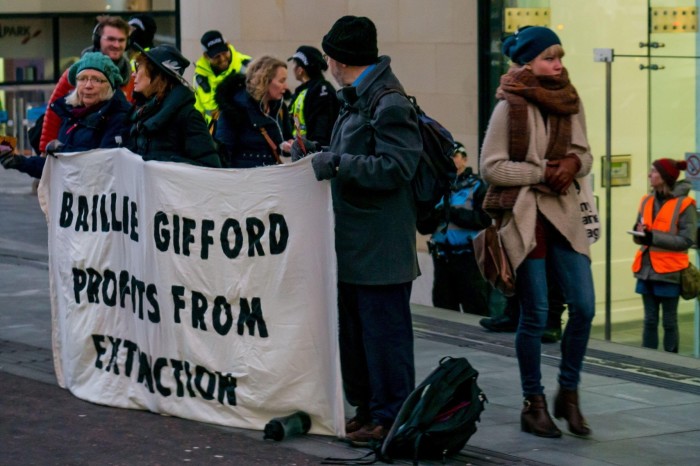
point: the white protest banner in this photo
(207, 294)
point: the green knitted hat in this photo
(99, 62)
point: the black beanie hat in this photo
(144, 30)
(352, 41)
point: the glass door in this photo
(653, 114)
(654, 76)
(673, 108)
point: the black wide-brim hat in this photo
(169, 60)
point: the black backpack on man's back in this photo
(436, 170)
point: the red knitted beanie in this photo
(669, 169)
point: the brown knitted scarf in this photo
(556, 97)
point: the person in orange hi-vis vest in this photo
(666, 228)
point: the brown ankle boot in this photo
(566, 406)
(535, 418)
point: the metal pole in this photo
(608, 197)
(606, 56)
(21, 125)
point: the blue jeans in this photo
(573, 273)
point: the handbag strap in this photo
(271, 143)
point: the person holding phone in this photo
(665, 229)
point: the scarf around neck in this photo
(555, 96)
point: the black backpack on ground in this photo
(436, 420)
(436, 170)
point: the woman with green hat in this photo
(165, 126)
(93, 115)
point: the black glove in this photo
(325, 165)
(647, 239)
(298, 153)
(54, 146)
(9, 160)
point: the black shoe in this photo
(499, 324)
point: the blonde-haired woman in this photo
(534, 153)
(254, 127)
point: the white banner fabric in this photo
(202, 293)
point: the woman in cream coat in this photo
(534, 153)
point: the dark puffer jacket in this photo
(239, 126)
(104, 128)
(172, 131)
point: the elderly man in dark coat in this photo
(371, 162)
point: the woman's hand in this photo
(286, 146)
(559, 174)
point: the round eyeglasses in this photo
(91, 79)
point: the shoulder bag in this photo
(493, 261)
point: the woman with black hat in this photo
(534, 152)
(165, 126)
(666, 228)
(314, 103)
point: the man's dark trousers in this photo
(376, 348)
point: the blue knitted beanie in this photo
(528, 42)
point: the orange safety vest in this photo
(662, 260)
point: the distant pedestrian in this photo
(458, 283)
(667, 219)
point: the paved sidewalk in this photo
(643, 406)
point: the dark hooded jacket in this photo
(172, 131)
(241, 119)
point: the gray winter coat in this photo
(375, 216)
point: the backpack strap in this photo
(377, 97)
